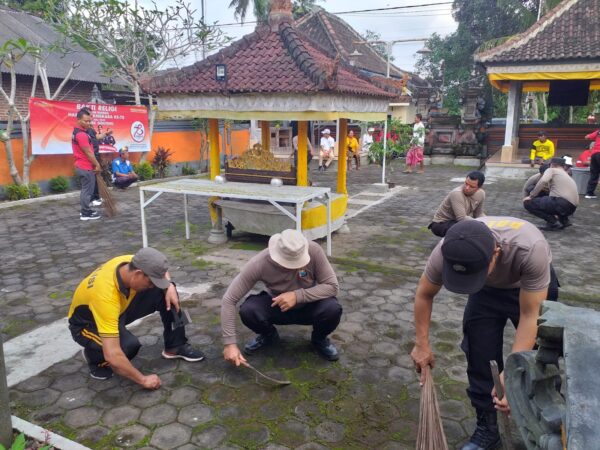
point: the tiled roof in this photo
(272, 59)
(19, 24)
(335, 35)
(569, 33)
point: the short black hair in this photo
(419, 115)
(83, 112)
(477, 175)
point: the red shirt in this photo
(595, 135)
(583, 160)
(81, 139)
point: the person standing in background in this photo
(415, 153)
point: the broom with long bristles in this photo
(430, 435)
(110, 206)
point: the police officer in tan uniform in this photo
(504, 265)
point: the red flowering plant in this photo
(398, 141)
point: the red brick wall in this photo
(74, 91)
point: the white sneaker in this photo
(591, 196)
(96, 202)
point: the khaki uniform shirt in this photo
(560, 184)
(314, 282)
(457, 206)
(524, 260)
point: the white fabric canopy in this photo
(272, 106)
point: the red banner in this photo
(52, 125)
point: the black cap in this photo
(541, 133)
(467, 250)
(557, 161)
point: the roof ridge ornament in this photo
(281, 11)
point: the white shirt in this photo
(295, 144)
(327, 143)
(419, 134)
(367, 140)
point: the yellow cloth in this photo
(352, 144)
(99, 294)
(544, 150)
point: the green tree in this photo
(479, 22)
(302, 7)
(260, 9)
(11, 52)
(134, 42)
(380, 47)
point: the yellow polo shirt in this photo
(544, 150)
(100, 298)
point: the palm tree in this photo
(260, 7)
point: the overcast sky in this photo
(410, 23)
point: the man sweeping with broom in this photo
(504, 265)
(86, 164)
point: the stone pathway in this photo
(367, 400)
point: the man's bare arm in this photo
(530, 303)
(114, 356)
(421, 353)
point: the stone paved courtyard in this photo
(367, 400)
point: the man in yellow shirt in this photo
(352, 146)
(542, 149)
(120, 291)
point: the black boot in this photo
(486, 435)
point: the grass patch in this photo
(16, 327)
(105, 442)
(63, 430)
(180, 227)
(591, 301)
(401, 434)
(201, 264)
(253, 246)
(59, 295)
(182, 379)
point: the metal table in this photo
(244, 191)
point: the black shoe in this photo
(186, 351)
(326, 348)
(552, 226)
(261, 340)
(89, 216)
(564, 221)
(320, 168)
(102, 372)
(486, 435)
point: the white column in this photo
(511, 134)
(254, 132)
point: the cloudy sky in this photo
(409, 23)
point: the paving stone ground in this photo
(367, 400)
